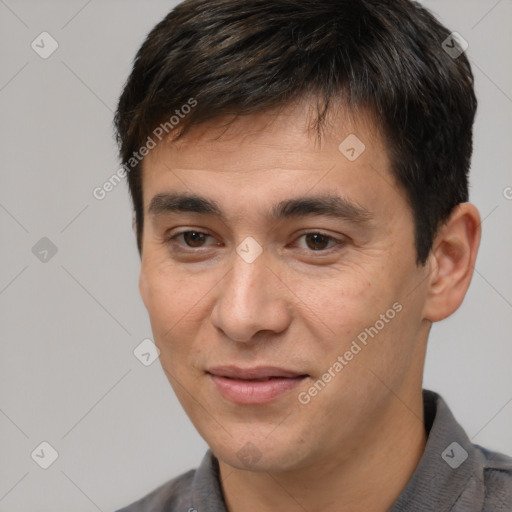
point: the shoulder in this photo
(483, 478)
(170, 496)
(497, 478)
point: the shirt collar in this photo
(449, 476)
(207, 493)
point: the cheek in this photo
(339, 305)
(163, 296)
(354, 307)
(177, 306)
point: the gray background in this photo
(70, 324)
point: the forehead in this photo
(283, 137)
(270, 153)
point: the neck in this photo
(383, 459)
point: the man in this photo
(298, 171)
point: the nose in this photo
(252, 298)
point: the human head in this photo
(256, 70)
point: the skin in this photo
(298, 308)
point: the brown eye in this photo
(317, 241)
(194, 238)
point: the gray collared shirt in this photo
(453, 475)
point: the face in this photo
(285, 298)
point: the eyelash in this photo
(338, 243)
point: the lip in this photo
(251, 386)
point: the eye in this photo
(192, 239)
(318, 242)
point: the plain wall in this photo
(69, 325)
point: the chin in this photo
(250, 453)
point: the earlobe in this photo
(452, 262)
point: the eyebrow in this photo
(333, 206)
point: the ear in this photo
(452, 260)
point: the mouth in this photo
(252, 386)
